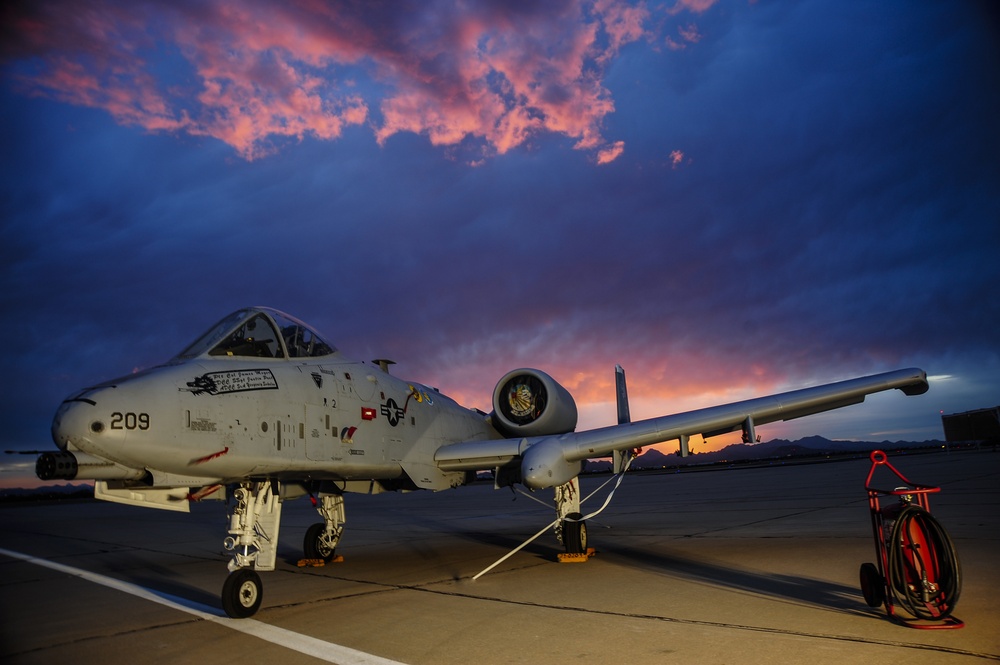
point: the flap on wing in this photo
(787, 414)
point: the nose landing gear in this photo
(253, 542)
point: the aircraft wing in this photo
(552, 460)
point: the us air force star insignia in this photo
(392, 412)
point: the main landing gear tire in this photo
(574, 535)
(314, 547)
(242, 593)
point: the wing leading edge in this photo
(552, 460)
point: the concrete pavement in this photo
(747, 565)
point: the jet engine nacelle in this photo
(529, 402)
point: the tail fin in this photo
(620, 457)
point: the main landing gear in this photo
(571, 529)
(322, 538)
(253, 541)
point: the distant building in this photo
(979, 425)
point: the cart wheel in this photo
(872, 585)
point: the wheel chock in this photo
(318, 563)
(566, 557)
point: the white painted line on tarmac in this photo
(310, 646)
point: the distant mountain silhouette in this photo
(811, 446)
(47, 493)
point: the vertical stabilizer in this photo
(621, 392)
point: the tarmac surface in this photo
(742, 565)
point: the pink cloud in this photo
(688, 34)
(256, 72)
(503, 81)
(623, 23)
(611, 153)
(694, 6)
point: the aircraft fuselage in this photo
(218, 419)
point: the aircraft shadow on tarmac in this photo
(790, 588)
(459, 562)
(164, 581)
(455, 561)
(425, 534)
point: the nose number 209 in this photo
(129, 420)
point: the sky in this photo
(728, 198)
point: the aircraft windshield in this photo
(255, 338)
(259, 333)
(300, 340)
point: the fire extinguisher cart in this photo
(916, 565)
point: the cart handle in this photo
(879, 458)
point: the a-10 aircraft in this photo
(261, 409)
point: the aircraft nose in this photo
(74, 422)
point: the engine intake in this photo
(529, 402)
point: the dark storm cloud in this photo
(805, 192)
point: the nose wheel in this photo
(242, 593)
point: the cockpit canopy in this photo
(259, 332)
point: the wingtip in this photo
(919, 384)
(916, 388)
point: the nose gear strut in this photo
(253, 542)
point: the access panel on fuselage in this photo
(327, 434)
(342, 415)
